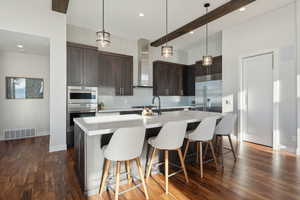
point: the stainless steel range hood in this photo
(145, 69)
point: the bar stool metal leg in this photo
(232, 148)
(104, 177)
(213, 153)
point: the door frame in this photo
(242, 125)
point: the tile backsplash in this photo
(141, 96)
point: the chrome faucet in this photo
(159, 105)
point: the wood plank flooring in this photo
(29, 172)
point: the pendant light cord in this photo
(166, 22)
(206, 33)
(103, 16)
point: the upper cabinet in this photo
(215, 68)
(75, 63)
(167, 79)
(89, 67)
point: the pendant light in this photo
(103, 37)
(207, 60)
(166, 50)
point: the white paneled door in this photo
(258, 86)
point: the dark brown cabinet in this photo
(167, 79)
(89, 67)
(216, 67)
(189, 81)
(75, 63)
(117, 71)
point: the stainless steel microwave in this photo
(82, 95)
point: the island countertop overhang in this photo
(102, 125)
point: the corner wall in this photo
(275, 30)
(35, 17)
(24, 113)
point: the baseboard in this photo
(56, 148)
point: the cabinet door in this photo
(216, 68)
(189, 81)
(161, 79)
(117, 75)
(105, 70)
(127, 76)
(75, 65)
(91, 68)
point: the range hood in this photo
(145, 69)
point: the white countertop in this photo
(112, 110)
(101, 125)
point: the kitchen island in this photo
(94, 132)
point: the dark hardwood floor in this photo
(29, 172)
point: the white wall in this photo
(298, 75)
(120, 45)
(35, 17)
(29, 113)
(198, 50)
(275, 30)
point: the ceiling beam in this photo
(201, 21)
(60, 5)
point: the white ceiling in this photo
(122, 16)
(31, 44)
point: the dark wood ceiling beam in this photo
(201, 21)
(60, 5)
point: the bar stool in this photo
(204, 133)
(125, 145)
(225, 128)
(170, 138)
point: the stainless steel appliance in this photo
(82, 95)
(82, 102)
(208, 91)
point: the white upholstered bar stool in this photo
(125, 145)
(225, 128)
(204, 133)
(170, 138)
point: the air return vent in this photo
(11, 134)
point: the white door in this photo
(258, 86)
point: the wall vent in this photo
(12, 134)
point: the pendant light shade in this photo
(207, 59)
(166, 50)
(103, 37)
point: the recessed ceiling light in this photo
(191, 32)
(141, 15)
(20, 46)
(242, 9)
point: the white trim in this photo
(57, 148)
(241, 96)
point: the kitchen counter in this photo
(116, 110)
(109, 124)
